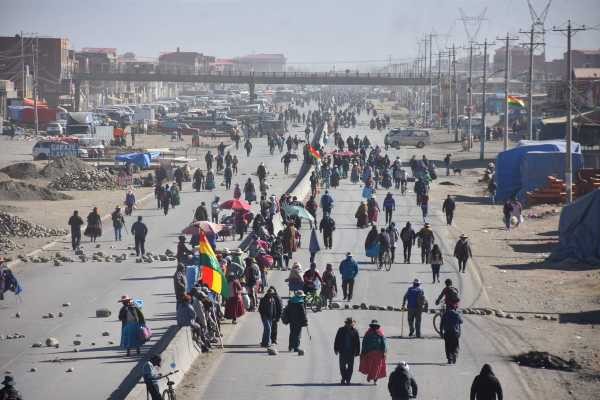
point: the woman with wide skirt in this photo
(234, 306)
(372, 356)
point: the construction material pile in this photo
(85, 180)
(555, 192)
(65, 165)
(11, 225)
(18, 190)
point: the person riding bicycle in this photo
(310, 279)
(152, 376)
(450, 295)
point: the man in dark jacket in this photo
(182, 251)
(201, 213)
(426, 240)
(327, 226)
(451, 330)
(179, 283)
(269, 309)
(408, 237)
(8, 391)
(296, 316)
(347, 346)
(448, 207)
(75, 222)
(401, 384)
(486, 386)
(462, 252)
(139, 230)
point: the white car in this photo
(46, 149)
(54, 129)
(407, 137)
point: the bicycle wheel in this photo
(168, 395)
(388, 261)
(437, 320)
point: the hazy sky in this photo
(310, 32)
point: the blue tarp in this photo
(536, 166)
(579, 231)
(142, 160)
(508, 164)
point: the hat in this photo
(299, 293)
(349, 320)
(416, 281)
(374, 324)
(349, 254)
(404, 365)
(225, 250)
(427, 224)
(125, 298)
(463, 236)
(8, 380)
(237, 252)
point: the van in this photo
(407, 137)
(50, 149)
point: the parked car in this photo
(47, 149)
(54, 129)
(407, 137)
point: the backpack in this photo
(452, 295)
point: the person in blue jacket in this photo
(389, 205)
(348, 270)
(326, 202)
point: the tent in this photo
(579, 231)
(142, 160)
(509, 180)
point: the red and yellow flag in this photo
(515, 101)
(212, 274)
(314, 152)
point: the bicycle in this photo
(169, 392)
(386, 261)
(314, 301)
(437, 319)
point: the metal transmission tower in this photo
(472, 24)
(538, 20)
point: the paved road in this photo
(99, 369)
(245, 372)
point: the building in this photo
(55, 62)
(261, 63)
(7, 92)
(184, 62)
(94, 60)
(585, 58)
(224, 65)
(519, 61)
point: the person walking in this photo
(8, 392)
(139, 230)
(269, 309)
(94, 225)
(234, 305)
(132, 320)
(251, 278)
(327, 203)
(486, 386)
(389, 205)
(182, 251)
(394, 235)
(249, 191)
(424, 206)
(373, 352)
(165, 199)
(414, 299)
(215, 210)
(129, 202)
(118, 221)
(75, 222)
(348, 270)
(507, 210)
(347, 346)
(227, 175)
(329, 287)
(179, 283)
(295, 314)
(401, 384)
(436, 262)
(151, 375)
(201, 214)
(448, 207)
(425, 240)
(327, 226)
(313, 247)
(462, 252)
(408, 237)
(450, 327)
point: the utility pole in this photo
(507, 67)
(449, 97)
(24, 83)
(34, 47)
(430, 120)
(470, 98)
(455, 84)
(440, 89)
(482, 137)
(569, 134)
(532, 45)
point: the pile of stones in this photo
(542, 359)
(85, 180)
(11, 225)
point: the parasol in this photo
(298, 211)
(235, 204)
(205, 226)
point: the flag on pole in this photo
(314, 152)
(212, 274)
(515, 101)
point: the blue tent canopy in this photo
(509, 170)
(579, 231)
(142, 160)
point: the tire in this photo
(437, 319)
(388, 262)
(420, 145)
(168, 395)
(41, 157)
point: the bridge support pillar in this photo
(252, 90)
(77, 99)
